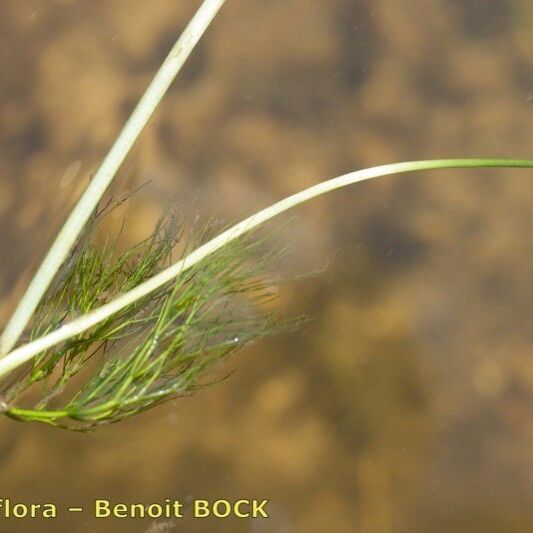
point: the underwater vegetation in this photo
(107, 335)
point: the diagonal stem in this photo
(81, 324)
(104, 176)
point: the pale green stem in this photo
(81, 324)
(89, 200)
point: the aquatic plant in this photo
(110, 335)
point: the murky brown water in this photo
(406, 404)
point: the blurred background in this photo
(406, 404)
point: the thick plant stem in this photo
(81, 324)
(105, 174)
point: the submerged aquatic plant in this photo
(155, 349)
(116, 334)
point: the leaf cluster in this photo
(159, 348)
